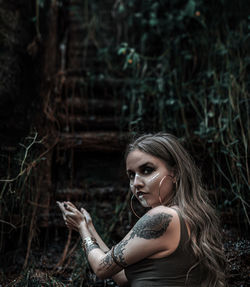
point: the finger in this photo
(70, 204)
(71, 224)
(86, 213)
(70, 214)
(64, 217)
(70, 221)
(83, 212)
(87, 216)
(68, 225)
(71, 208)
(60, 204)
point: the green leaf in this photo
(121, 8)
(121, 51)
(190, 8)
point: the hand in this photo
(72, 216)
(84, 212)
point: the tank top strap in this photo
(184, 237)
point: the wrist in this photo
(91, 227)
(82, 226)
(83, 229)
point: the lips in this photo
(140, 193)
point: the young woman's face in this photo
(145, 173)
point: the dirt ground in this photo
(44, 269)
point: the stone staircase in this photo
(87, 163)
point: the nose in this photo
(138, 182)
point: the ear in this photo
(176, 175)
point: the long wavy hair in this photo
(192, 200)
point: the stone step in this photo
(93, 193)
(94, 141)
(75, 105)
(99, 90)
(76, 123)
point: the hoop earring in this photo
(160, 189)
(132, 208)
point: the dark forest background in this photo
(79, 79)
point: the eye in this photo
(148, 170)
(131, 175)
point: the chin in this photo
(144, 203)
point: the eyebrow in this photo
(143, 165)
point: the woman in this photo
(177, 242)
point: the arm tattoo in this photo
(118, 255)
(148, 227)
(107, 260)
(91, 247)
(151, 227)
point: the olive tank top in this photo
(170, 271)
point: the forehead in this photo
(137, 158)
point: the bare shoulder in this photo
(163, 210)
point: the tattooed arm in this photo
(152, 235)
(120, 277)
(148, 237)
(82, 222)
(101, 261)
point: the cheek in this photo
(153, 179)
(132, 188)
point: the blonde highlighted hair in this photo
(192, 200)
